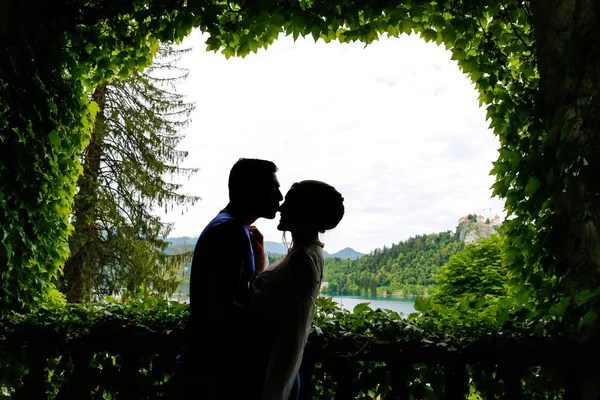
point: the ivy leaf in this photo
(213, 44)
(449, 36)
(589, 318)
(406, 26)
(253, 45)
(559, 308)
(8, 248)
(500, 168)
(103, 64)
(586, 296)
(461, 44)
(53, 137)
(392, 30)
(228, 52)
(458, 54)
(532, 186)
(528, 71)
(429, 35)
(52, 106)
(154, 46)
(502, 314)
(315, 30)
(361, 308)
(93, 108)
(277, 20)
(422, 304)
(464, 304)
(468, 65)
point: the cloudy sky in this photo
(395, 127)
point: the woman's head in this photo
(311, 206)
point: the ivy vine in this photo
(47, 72)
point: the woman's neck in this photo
(304, 237)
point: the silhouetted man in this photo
(228, 254)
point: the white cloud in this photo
(395, 126)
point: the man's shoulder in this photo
(223, 230)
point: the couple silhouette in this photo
(249, 322)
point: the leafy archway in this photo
(535, 65)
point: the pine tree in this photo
(117, 244)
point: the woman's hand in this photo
(258, 247)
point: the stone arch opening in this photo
(396, 124)
(540, 92)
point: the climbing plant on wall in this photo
(535, 64)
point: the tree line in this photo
(406, 268)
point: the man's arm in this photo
(221, 274)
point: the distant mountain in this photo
(278, 248)
(348, 253)
(188, 244)
(184, 244)
(275, 248)
(182, 241)
(180, 244)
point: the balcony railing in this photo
(494, 368)
(124, 361)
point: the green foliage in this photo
(408, 267)
(80, 351)
(547, 160)
(46, 75)
(476, 270)
(52, 298)
(45, 122)
(274, 257)
(127, 350)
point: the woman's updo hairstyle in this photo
(322, 207)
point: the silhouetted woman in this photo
(283, 296)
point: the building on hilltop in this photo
(496, 220)
(474, 227)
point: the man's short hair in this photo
(246, 174)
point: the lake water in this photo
(403, 305)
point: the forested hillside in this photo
(406, 268)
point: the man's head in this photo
(254, 188)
